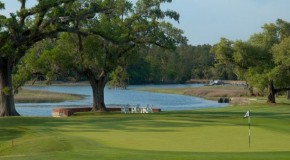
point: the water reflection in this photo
(120, 97)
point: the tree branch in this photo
(22, 9)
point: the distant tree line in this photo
(153, 64)
(158, 65)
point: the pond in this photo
(129, 96)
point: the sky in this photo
(206, 21)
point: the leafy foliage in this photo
(262, 60)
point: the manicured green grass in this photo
(210, 134)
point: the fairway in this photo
(220, 133)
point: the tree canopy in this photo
(262, 60)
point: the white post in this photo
(248, 115)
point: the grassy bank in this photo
(208, 134)
(33, 96)
(207, 92)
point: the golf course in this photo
(144, 80)
(209, 134)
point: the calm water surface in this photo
(117, 97)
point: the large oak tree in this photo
(21, 30)
(107, 42)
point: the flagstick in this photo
(249, 118)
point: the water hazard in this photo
(117, 97)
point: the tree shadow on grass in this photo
(161, 122)
(167, 122)
(100, 122)
(10, 134)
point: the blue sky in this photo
(206, 21)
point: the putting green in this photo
(217, 138)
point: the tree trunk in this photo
(98, 86)
(271, 92)
(7, 106)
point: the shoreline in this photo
(205, 92)
(37, 96)
(207, 81)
